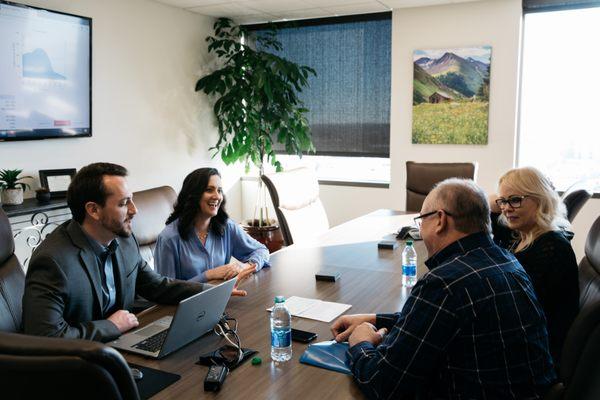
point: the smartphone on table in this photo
(303, 336)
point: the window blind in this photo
(349, 99)
(557, 5)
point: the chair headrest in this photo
(577, 196)
(296, 188)
(7, 243)
(574, 201)
(421, 177)
(154, 207)
(592, 245)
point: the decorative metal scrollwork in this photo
(27, 238)
(39, 218)
(31, 235)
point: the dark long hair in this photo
(188, 203)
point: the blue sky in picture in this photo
(481, 53)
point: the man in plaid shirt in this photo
(472, 327)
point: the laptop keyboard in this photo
(153, 343)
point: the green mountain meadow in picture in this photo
(451, 91)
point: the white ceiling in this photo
(250, 11)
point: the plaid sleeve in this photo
(386, 321)
(413, 346)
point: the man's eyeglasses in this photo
(232, 354)
(513, 201)
(418, 219)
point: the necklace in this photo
(202, 236)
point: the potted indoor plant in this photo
(256, 104)
(11, 186)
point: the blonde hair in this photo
(551, 212)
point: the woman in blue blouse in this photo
(199, 240)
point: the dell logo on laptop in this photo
(200, 316)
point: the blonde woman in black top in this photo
(528, 219)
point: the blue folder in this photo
(330, 355)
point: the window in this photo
(559, 127)
(346, 169)
(349, 99)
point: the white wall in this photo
(146, 116)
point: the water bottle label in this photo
(409, 270)
(281, 338)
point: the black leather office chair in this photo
(574, 201)
(422, 177)
(12, 280)
(33, 367)
(580, 364)
(589, 268)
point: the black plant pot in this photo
(42, 197)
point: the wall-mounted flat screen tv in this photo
(45, 73)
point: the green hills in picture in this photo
(451, 95)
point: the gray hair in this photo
(467, 203)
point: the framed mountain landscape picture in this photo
(451, 92)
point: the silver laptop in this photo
(195, 316)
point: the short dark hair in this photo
(467, 202)
(188, 203)
(87, 185)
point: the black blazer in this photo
(63, 286)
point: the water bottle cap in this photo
(409, 242)
(279, 299)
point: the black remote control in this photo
(215, 377)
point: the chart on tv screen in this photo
(44, 70)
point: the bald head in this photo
(463, 199)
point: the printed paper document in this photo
(319, 310)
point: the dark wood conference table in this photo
(370, 281)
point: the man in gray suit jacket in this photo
(84, 276)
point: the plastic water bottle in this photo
(281, 331)
(409, 265)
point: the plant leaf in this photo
(255, 97)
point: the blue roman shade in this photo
(349, 99)
(557, 5)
